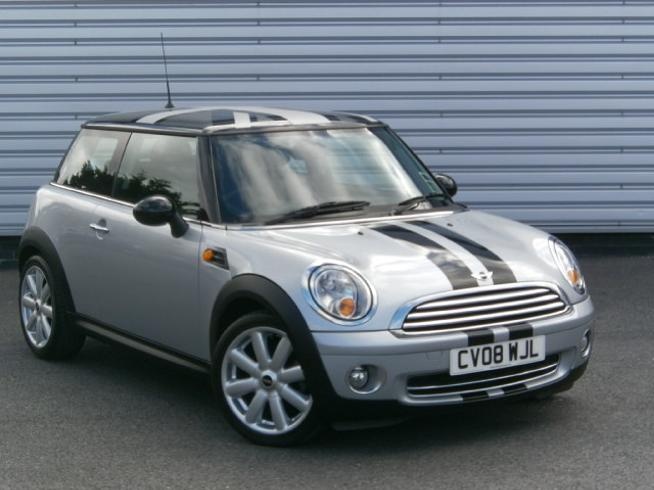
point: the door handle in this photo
(99, 228)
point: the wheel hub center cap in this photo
(268, 380)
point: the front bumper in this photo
(396, 359)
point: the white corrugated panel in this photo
(542, 110)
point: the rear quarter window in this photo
(91, 161)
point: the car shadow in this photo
(456, 426)
(134, 370)
(190, 391)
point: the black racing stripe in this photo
(520, 332)
(475, 396)
(261, 116)
(331, 116)
(198, 119)
(456, 271)
(357, 118)
(345, 117)
(502, 273)
(514, 389)
(480, 337)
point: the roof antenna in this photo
(169, 105)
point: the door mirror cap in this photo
(158, 211)
(447, 183)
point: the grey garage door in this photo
(542, 110)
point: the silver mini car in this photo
(310, 263)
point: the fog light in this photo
(584, 346)
(359, 377)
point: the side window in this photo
(161, 164)
(91, 160)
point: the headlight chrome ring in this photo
(340, 293)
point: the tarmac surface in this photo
(113, 418)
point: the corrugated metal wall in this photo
(542, 110)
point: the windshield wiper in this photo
(322, 208)
(412, 202)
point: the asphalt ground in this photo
(113, 418)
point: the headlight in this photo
(340, 292)
(567, 264)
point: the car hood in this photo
(403, 259)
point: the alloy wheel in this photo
(36, 306)
(263, 383)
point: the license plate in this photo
(498, 355)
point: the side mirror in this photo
(447, 183)
(158, 211)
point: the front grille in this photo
(485, 306)
(445, 384)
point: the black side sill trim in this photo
(103, 332)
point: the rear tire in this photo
(260, 384)
(44, 303)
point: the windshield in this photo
(262, 176)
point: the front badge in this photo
(482, 275)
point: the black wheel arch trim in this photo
(37, 239)
(278, 302)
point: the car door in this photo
(83, 180)
(147, 278)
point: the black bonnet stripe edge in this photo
(514, 389)
(484, 336)
(520, 332)
(459, 275)
(480, 337)
(502, 273)
(476, 396)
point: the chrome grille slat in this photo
(471, 299)
(505, 304)
(487, 316)
(485, 307)
(494, 387)
(535, 372)
(418, 387)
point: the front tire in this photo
(261, 385)
(44, 306)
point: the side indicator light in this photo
(208, 255)
(215, 256)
